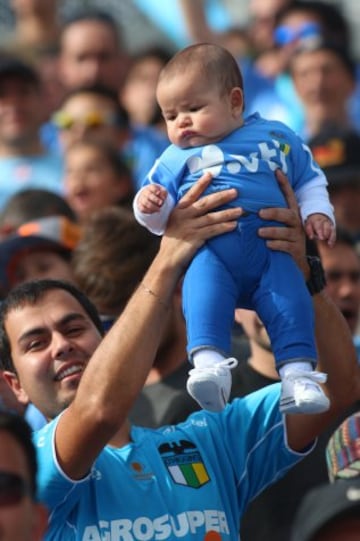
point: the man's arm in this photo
(118, 368)
(336, 352)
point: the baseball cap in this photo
(56, 233)
(324, 504)
(337, 152)
(343, 450)
(13, 66)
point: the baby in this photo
(200, 92)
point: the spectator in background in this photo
(30, 204)
(37, 26)
(96, 177)
(111, 258)
(24, 162)
(138, 93)
(92, 50)
(297, 24)
(38, 249)
(341, 265)
(22, 518)
(96, 112)
(92, 53)
(92, 111)
(263, 18)
(338, 154)
(323, 74)
(343, 450)
(331, 511)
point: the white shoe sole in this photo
(288, 405)
(207, 394)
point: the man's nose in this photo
(62, 346)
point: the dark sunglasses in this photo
(12, 489)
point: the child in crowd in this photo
(200, 92)
(95, 177)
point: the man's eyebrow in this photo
(36, 331)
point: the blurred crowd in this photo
(79, 130)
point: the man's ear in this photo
(13, 381)
(237, 101)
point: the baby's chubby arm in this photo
(319, 226)
(151, 198)
(152, 207)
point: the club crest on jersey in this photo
(184, 463)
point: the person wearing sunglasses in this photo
(22, 517)
(94, 111)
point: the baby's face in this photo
(195, 112)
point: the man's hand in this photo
(290, 237)
(194, 220)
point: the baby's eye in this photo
(169, 118)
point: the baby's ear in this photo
(237, 101)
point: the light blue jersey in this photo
(177, 482)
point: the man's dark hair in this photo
(28, 294)
(96, 15)
(20, 430)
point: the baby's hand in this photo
(319, 226)
(151, 198)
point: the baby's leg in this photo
(209, 298)
(285, 307)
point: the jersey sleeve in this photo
(309, 182)
(255, 434)
(55, 488)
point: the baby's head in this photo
(200, 93)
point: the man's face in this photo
(22, 519)
(90, 55)
(20, 110)
(322, 82)
(51, 343)
(342, 270)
